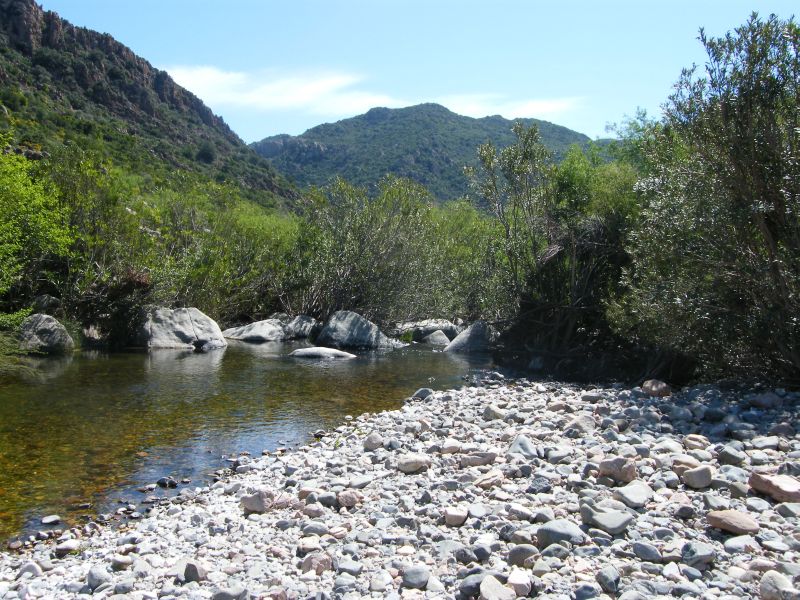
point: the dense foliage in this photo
(716, 254)
(427, 143)
(685, 245)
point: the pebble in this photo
(492, 490)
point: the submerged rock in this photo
(321, 353)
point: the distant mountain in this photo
(427, 143)
(62, 83)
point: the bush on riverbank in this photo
(687, 244)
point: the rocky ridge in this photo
(503, 490)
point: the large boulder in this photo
(42, 333)
(346, 329)
(302, 327)
(182, 328)
(422, 329)
(269, 330)
(475, 338)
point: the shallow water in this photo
(96, 427)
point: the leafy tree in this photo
(34, 232)
(716, 258)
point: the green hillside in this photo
(426, 143)
(60, 83)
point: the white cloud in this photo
(323, 93)
(340, 94)
(482, 105)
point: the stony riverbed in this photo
(501, 490)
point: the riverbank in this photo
(465, 492)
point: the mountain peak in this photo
(427, 143)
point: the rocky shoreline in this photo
(505, 489)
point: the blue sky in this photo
(271, 67)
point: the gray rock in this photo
(97, 576)
(475, 338)
(51, 520)
(346, 329)
(699, 477)
(182, 328)
(373, 441)
(698, 554)
(43, 333)
(380, 581)
(585, 591)
(493, 413)
(419, 330)
(608, 578)
(348, 565)
(302, 327)
(492, 589)
(635, 495)
(67, 547)
(319, 352)
(520, 553)
(559, 530)
(437, 338)
(523, 445)
(236, 592)
(194, 571)
(741, 544)
(646, 552)
(416, 577)
(31, 568)
(776, 586)
(269, 330)
(422, 393)
(412, 463)
(610, 521)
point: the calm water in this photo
(96, 427)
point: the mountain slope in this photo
(427, 143)
(62, 83)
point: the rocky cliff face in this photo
(122, 81)
(62, 82)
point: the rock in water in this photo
(437, 338)
(346, 329)
(475, 338)
(419, 330)
(302, 327)
(321, 353)
(42, 333)
(181, 328)
(269, 330)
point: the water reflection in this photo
(99, 426)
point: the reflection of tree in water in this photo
(76, 435)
